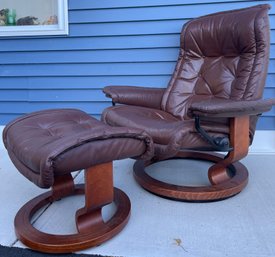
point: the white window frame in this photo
(62, 28)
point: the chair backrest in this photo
(222, 55)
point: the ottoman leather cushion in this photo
(49, 143)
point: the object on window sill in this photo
(51, 21)
(11, 17)
(3, 17)
(28, 20)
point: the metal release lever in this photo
(219, 143)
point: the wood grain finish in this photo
(89, 217)
(226, 189)
(239, 140)
(227, 176)
(99, 191)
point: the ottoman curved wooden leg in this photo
(92, 230)
(237, 178)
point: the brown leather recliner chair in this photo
(212, 102)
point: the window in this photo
(33, 17)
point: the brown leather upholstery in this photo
(48, 143)
(220, 73)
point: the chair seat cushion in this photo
(159, 124)
(55, 142)
(163, 127)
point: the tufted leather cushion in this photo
(224, 55)
(55, 142)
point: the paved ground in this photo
(243, 226)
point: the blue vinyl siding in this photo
(118, 42)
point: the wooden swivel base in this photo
(92, 230)
(226, 181)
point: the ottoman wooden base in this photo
(92, 230)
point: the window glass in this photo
(32, 17)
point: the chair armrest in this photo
(139, 96)
(217, 107)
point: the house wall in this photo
(118, 42)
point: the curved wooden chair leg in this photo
(239, 139)
(92, 230)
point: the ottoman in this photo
(46, 146)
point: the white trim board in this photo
(263, 143)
